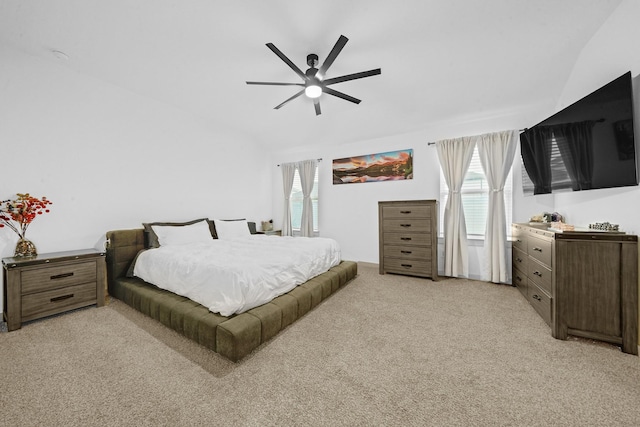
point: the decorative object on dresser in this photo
(583, 284)
(48, 284)
(18, 214)
(408, 237)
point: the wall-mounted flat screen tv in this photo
(588, 145)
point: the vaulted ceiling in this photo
(440, 59)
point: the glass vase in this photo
(25, 247)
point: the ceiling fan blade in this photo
(316, 104)
(337, 48)
(341, 95)
(353, 76)
(293, 97)
(287, 61)
(275, 84)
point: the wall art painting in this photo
(389, 166)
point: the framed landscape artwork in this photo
(389, 166)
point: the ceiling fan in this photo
(314, 84)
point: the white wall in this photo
(349, 212)
(109, 159)
(610, 53)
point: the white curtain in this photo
(288, 173)
(307, 170)
(455, 157)
(496, 151)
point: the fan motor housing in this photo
(312, 60)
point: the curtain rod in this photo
(318, 160)
(433, 143)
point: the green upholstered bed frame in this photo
(233, 337)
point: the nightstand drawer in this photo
(407, 225)
(57, 300)
(407, 211)
(407, 252)
(52, 277)
(406, 266)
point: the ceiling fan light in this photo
(313, 91)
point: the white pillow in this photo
(231, 229)
(184, 234)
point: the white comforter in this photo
(233, 276)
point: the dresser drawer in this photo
(519, 280)
(57, 300)
(520, 260)
(51, 277)
(540, 274)
(407, 252)
(539, 299)
(410, 225)
(407, 266)
(519, 238)
(407, 239)
(407, 211)
(539, 249)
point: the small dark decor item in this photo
(18, 214)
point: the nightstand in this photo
(273, 232)
(48, 284)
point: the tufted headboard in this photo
(122, 248)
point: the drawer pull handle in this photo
(406, 252)
(405, 238)
(61, 276)
(405, 225)
(536, 297)
(61, 298)
(405, 212)
(519, 259)
(537, 249)
(406, 265)
(537, 273)
(519, 279)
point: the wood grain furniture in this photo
(583, 284)
(408, 237)
(48, 284)
(234, 336)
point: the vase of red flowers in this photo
(18, 214)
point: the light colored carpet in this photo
(383, 351)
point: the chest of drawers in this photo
(408, 237)
(48, 284)
(581, 283)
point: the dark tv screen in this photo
(588, 145)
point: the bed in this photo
(233, 333)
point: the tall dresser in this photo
(408, 237)
(583, 284)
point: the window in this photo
(475, 198)
(296, 202)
